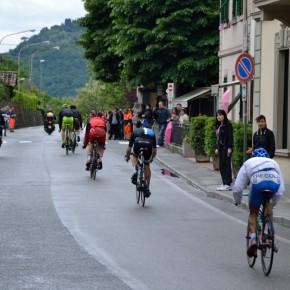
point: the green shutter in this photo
(234, 8)
(224, 10)
(239, 7)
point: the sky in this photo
(20, 15)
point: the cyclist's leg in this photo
(255, 201)
(134, 161)
(89, 155)
(62, 136)
(147, 173)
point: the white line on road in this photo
(4, 142)
(212, 208)
(24, 142)
(124, 142)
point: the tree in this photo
(167, 40)
(100, 96)
(98, 40)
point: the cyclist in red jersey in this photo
(95, 131)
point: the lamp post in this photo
(20, 32)
(19, 54)
(40, 72)
(31, 65)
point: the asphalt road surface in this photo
(62, 230)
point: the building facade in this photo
(272, 89)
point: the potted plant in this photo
(197, 138)
(238, 153)
(210, 141)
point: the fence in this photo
(178, 133)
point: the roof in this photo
(196, 94)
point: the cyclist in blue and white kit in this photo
(264, 174)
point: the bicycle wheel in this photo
(93, 170)
(251, 260)
(142, 198)
(267, 246)
(74, 143)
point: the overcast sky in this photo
(19, 15)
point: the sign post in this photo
(170, 94)
(245, 69)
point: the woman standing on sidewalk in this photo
(224, 132)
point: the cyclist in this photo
(65, 119)
(78, 122)
(264, 174)
(142, 138)
(95, 131)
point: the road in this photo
(61, 230)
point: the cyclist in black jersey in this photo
(143, 138)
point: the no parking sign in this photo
(245, 68)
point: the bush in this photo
(197, 133)
(210, 136)
(238, 135)
(26, 100)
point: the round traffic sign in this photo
(245, 68)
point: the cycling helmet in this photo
(260, 152)
(65, 106)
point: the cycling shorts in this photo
(146, 146)
(268, 180)
(68, 122)
(98, 134)
(77, 124)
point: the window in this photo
(224, 10)
(237, 8)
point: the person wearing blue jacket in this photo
(162, 115)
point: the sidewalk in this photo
(202, 176)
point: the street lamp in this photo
(40, 72)
(20, 32)
(47, 42)
(31, 64)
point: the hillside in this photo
(64, 70)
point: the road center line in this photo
(212, 208)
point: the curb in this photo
(214, 194)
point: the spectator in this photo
(121, 125)
(224, 132)
(148, 113)
(114, 121)
(161, 116)
(263, 137)
(178, 109)
(183, 117)
(12, 116)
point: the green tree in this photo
(161, 41)
(100, 96)
(98, 40)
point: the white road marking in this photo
(4, 142)
(212, 208)
(24, 142)
(124, 142)
(50, 142)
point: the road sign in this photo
(170, 94)
(245, 68)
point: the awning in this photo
(196, 94)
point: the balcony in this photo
(275, 9)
